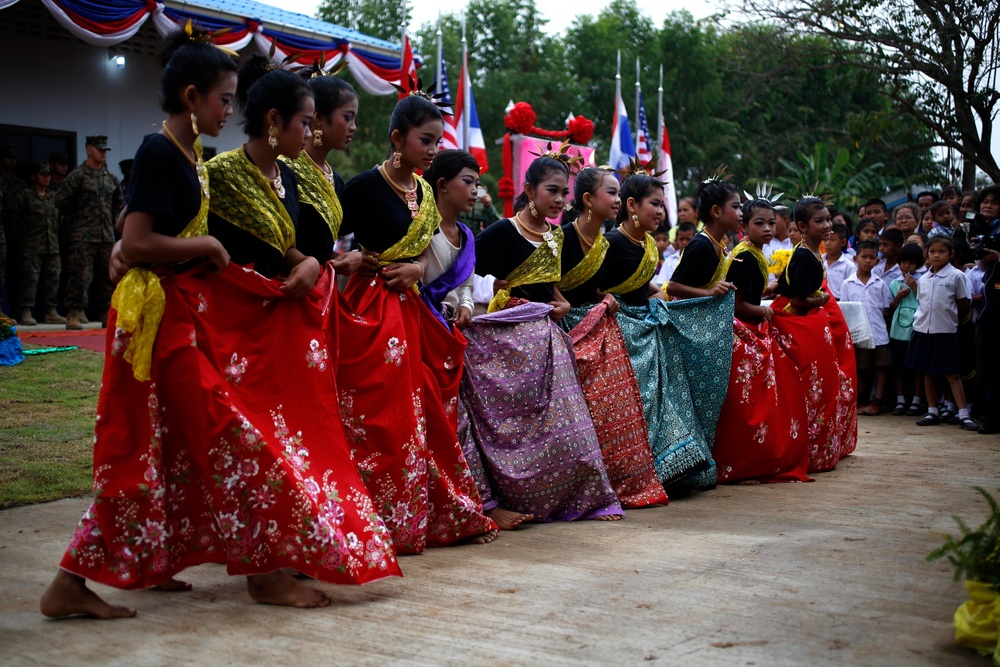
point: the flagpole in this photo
(440, 50)
(467, 82)
(659, 113)
(402, 28)
(638, 91)
(618, 96)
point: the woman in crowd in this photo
(530, 439)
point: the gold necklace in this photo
(583, 237)
(546, 236)
(199, 166)
(409, 196)
(279, 187)
(327, 171)
(641, 244)
(722, 246)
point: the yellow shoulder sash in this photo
(587, 267)
(420, 231)
(541, 266)
(744, 247)
(643, 273)
(317, 191)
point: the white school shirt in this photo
(876, 297)
(895, 273)
(974, 281)
(937, 298)
(838, 272)
(667, 270)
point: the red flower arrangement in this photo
(521, 118)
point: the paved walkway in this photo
(828, 573)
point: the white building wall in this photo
(51, 80)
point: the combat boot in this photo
(73, 319)
(82, 316)
(26, 320)
(53, 317)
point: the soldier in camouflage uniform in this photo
(10, 185)
(36, 210)
(91, 199)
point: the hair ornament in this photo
(318, 68)
(415, 89)
(207, 37)
(763, 192)
(719, 175)
(561, 154)
(636, 166)
(817, 194)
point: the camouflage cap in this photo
(59, 158)
(41, 168)
(98, 141)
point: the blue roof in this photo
(275, 18)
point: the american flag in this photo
(450, 137)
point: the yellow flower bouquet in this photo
(778, 261)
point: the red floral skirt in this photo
(399, 372)
(233, 452)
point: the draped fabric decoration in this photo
(115, 21)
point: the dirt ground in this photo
(825, 573)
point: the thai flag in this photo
(621, 135)
(449, 139)
(407, 68)
(465, 107)
(664, 164)
(642, 149)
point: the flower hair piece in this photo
(318, 68)
(415, 89)
(719, 175)
(207, 37)
(763, 192)
(636, 166)
(561, 154)
(818, 194)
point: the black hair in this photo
(660, 229)
(447, 165)
(867, 245)
(259, 89)
(587, 182)
(862, 223)
(893, 236)
(712, 193)
(840, 229)
(940, 239)
(637, 187)
(189, 62)
(988, 190)
(752, 205)
(848, 220)
(928, 193)
(877, 202)
(939, 205)
(911, 252)
(806, 207)
(410, 112)
(950, 190)
(687, 227)
(331, 93)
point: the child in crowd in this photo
(889, 245)
(943, 215)
(836, 262)
(951, 195)
(904, 305)
(662, 239)
(685, 232)
(867, 288)
(794, 235)
(943, 298)
(974, 277)
(877, 211)
(926, 222)
(867, 230)
(782, 233)
(968, 204)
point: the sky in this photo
(424, 11)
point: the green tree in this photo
(378, 18)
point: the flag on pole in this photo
(466, 122)
(621, 135)
(407, 69)
(449, 139)
(642, 148)
(663, 161)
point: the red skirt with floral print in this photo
(399, 371)
(234, 451)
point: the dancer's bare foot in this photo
(172, 585)
(608, 517)
(507, 520)
(68, 595)
(484, 538)
(280, 589)
(748, 482)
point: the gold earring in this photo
(194, 124)
(272, 137)
(531, 207)
(635, 220)
(395, 159)
(590, 214)
(317, 138)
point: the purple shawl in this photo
(434, 293)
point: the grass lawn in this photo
(47, 406)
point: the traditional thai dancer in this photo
(530, 439)
(681, 350)
(606, 375)
(209, 448)
(813, 333)
(400, 365)
(761, 432)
